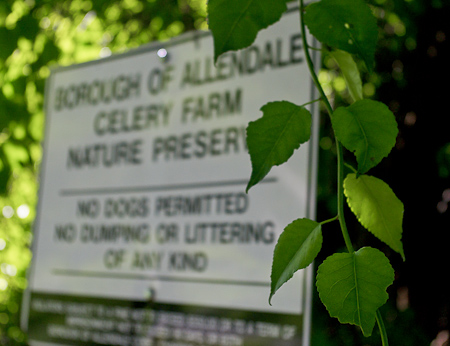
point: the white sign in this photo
(143, 202)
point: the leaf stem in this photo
(340, 197)
(314, 48)
(350, 167)
(384, 337)
(340, 155)
(330, 220)
(310, 63)
(310, 102)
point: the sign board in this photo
(144, 234)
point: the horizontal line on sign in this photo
(125, 276)
(155, 188)
(38, 343)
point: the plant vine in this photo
(352, 285)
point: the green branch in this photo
(340, 179)
(384, 337)
(340, 163)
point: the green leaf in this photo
(377, 208)
(297, 247)
(5, 172)
(367, 128)
(350, 72)
(235, 23)
(345, 24)
(352, 286)
(272, 139)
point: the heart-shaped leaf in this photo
(297, 247)
(352, 286)
(367, 128)
(377, 208)
(235, 23)
(345, 24)
(272, 139)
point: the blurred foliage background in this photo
(411, 77)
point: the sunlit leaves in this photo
(367, 128)
(345, 24)
(352, 286)
(33, 36)
(17, 155)
(377, 208)
(236, 23)
(272, 139)
(350, 72)
(297, 247)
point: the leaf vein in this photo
(358, 305)
(380, 214)
(235, 24)
(366, 140)
(275, 145)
